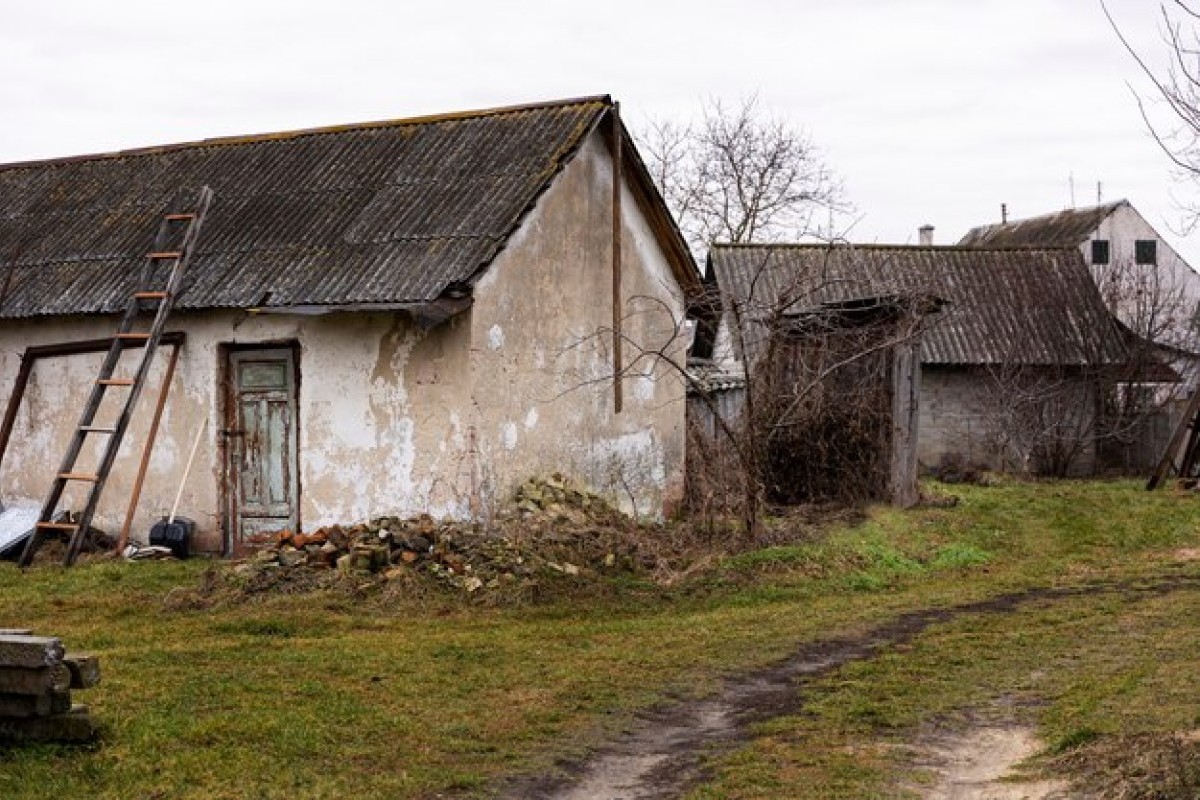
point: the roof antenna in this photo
(1004, 213)
(1099, 193)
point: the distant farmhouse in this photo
(381, 318)
(1011, 367)
(1149, 286)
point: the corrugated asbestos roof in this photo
(378, 213)
(1067, 228)
(1004, 306)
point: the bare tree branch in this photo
(740, 175)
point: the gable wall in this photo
(1164, 301)
(542, 376)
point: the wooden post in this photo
(1181, 431)
(618, 178)
(163, 391)
(906, 392)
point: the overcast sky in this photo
(932, 111)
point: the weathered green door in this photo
(262, 442)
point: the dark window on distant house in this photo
(1099, 251)
(1145, 251)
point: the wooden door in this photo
(264, 487)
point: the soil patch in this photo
(664, 751)
(979, 764)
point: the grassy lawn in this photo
(337, 695)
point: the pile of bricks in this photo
(36, 679)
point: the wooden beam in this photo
(618, 179)
(135, 495)
(37, 352)
(1181, 430)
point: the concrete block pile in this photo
(36, 679)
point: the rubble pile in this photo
(552, 528)
(36, 679)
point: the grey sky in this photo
(931, 110)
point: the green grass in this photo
(325, 695)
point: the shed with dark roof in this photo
(399, 316)
(1009, 316)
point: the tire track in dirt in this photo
(663, 753)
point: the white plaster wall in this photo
(543, 365)
(1170, 290)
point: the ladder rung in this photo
(86, 477)
(149, 295)
(57, 526)
(165, 254)
(137, 337)
(96, 429)
(115, 382)
(174, 217)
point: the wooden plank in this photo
(58, 526)
(1181, 430)
(86, 477)
(906, 392)
(147, 448)
(37, 352)
(618, 181)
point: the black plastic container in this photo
(175, 535)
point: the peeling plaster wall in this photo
(381, 409)
(542, 356)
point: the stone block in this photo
(34, 680)
(30, 651)
(75, 725)
(84, 669)
(34, 705)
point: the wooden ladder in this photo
(173, 247)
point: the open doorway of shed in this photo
(259, 434)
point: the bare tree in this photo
(740, 175)
(1171, 111)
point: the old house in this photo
(1155, 294)
(391, 317)
(1144, 281)
(1010, 366)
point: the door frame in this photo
(232, 545)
